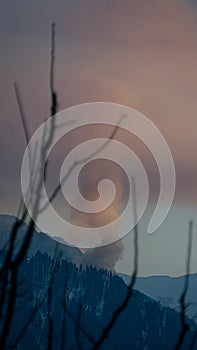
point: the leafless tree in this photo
(13, 259)
(182, 300)
(9, 269)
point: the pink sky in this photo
(134, 52)
(138, 53)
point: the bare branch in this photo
(78, 162)
(130, 287)
(77, 332)
(49, 301)
(183, 306)
(11, 265)
(22, 113)
(54, 102)
(5, 269)
(26, 134)
(77, 324)
(62, 337)
(38, 304)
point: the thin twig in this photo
(130, 287)
(78, 162)
(12, 263)
(22, 113)
(77, 332)
(182, 303)
(50, 337)
(63, 337)
(77, 323)
(26, 134)
(38, 305)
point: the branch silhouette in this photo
(182, 302)
(130, 287)
(9, 270)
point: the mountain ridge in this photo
(167, 290)
(40, 241)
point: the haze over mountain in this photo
(167, 291)
(40, 241)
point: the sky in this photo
(137, 53)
